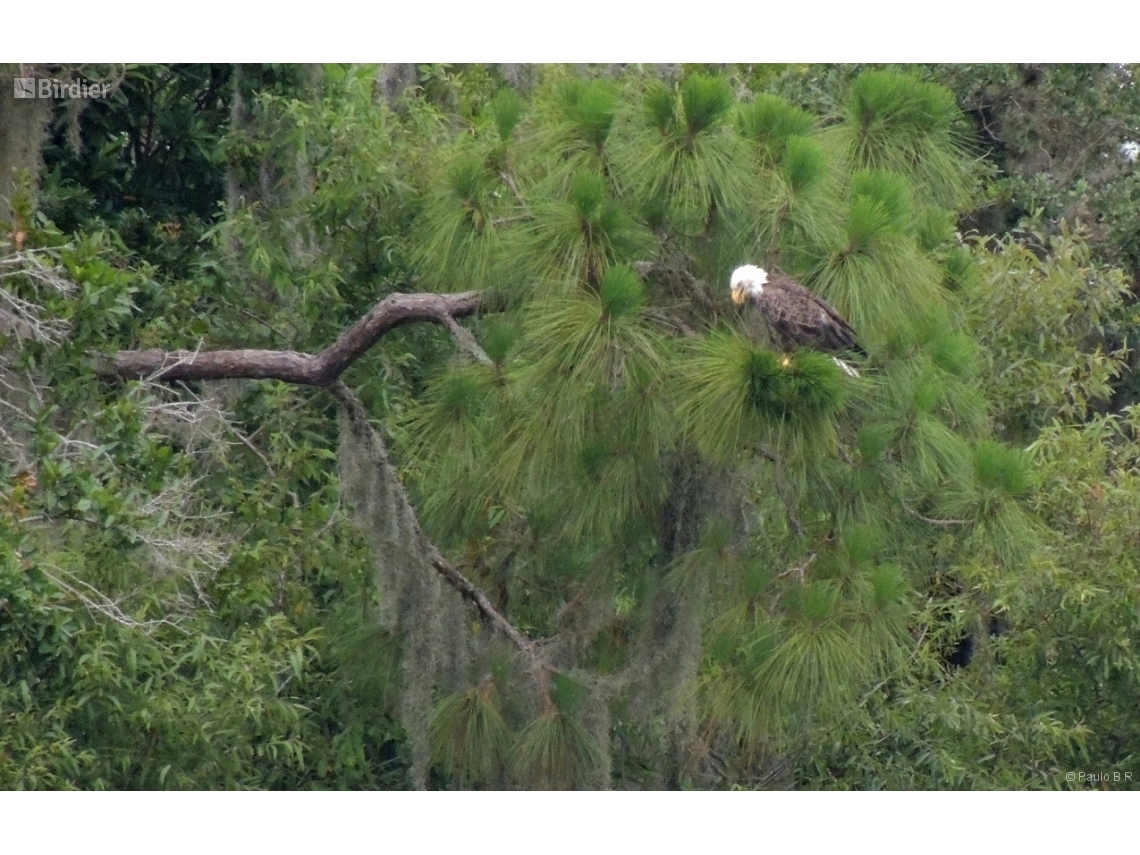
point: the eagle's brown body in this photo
(793, 312)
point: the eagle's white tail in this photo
(849, 370)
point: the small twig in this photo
(694, 287)
(931, 520)
(509, 180)
(34, 387)
(466, 341)
(22, 460)
(249, 444)
(98, 603)
(20, 317)
(782, 765)
(797, 571)
(503, 221)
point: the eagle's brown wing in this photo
(804, 319)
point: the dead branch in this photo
(797, 571)
(96, 602)
(509, 180)
(466, 588)
(305, 369)
(324, 369)
(20, 318)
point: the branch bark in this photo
(305, 369)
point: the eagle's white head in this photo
(747, 281)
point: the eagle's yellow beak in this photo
(738, 296)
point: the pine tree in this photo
(715, 546)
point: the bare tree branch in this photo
(96, 602)
(509, 180)
(798, 570)
(23, 462)
(20, 318)
(470, 592)
(290, 366)
(324, 369)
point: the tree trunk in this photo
(24, 126)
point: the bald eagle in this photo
(797, 316)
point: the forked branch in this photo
(324, 369)
(306, 369)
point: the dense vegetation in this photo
(589, 526)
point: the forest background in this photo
(580, 523)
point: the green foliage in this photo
(729, 565)
(1051, 323)
(1004, 470)
(499, 339)
(1055, 132)
(556, 752)
(803, 164)
(92, 704)
(589, 106)
(706, 101)
(880, 208)
(470, 738)
(621, 292)
(772, 122)
(722, 390)
(892, 103)
(903, 125)
(459, 221)
(1081, 600)
(157, 151)
(679, 155)
(579, 237)
(506, 109)
(660, 105)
